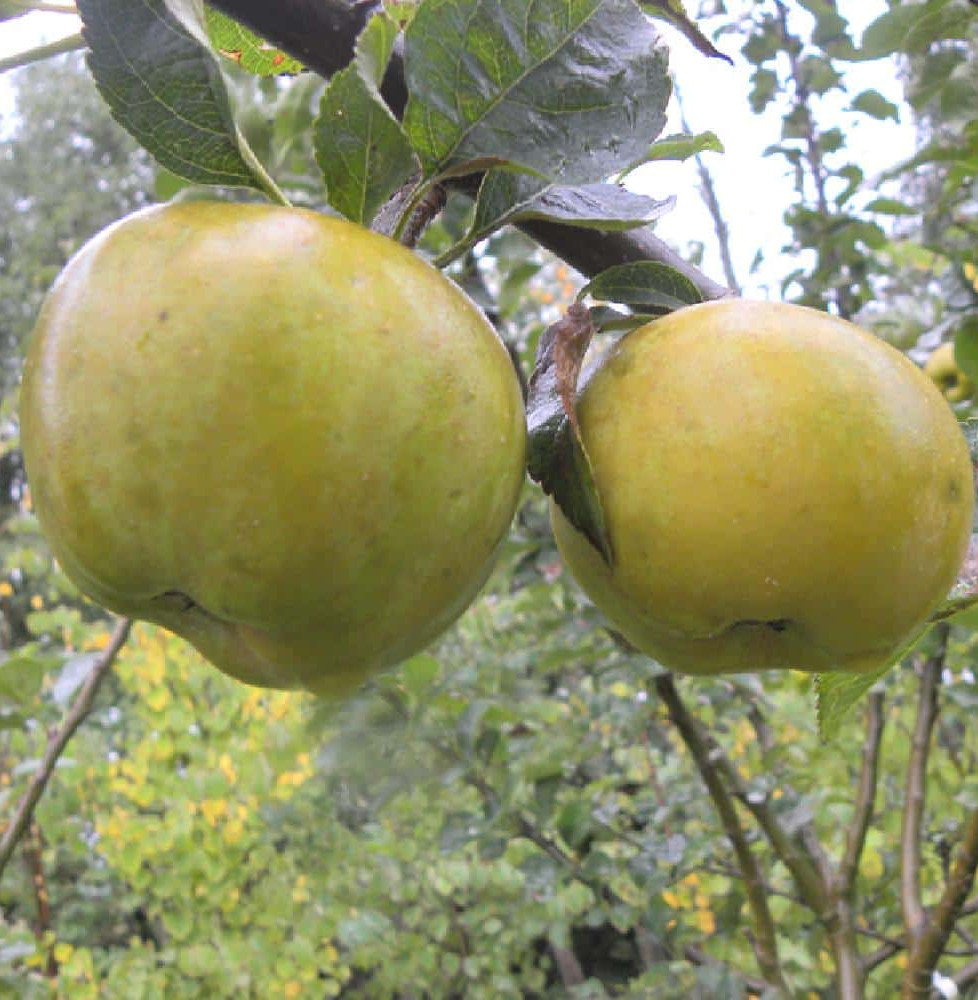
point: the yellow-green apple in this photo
(781, 490)
(285, 438)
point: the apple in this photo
(780, 489)
(943, 369)
(283, 437)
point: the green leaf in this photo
(574, 92)
(966, 347)
(165, 89)
(836, 693)
(891, 206)
(681, 146)
(21, 676)
(890, 32)
(236, 42)
(643, 284)
(675, 14)
(556, 456)
(506, 197)
(360, 147)
(873, 103)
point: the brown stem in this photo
(59, 740)
(849, 968)
(766, 944)
(568, 967)
(865, 796)
(322, 33)
(913, 806)
(933, 936)
(793, 854)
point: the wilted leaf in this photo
(557, 458)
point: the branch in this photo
(811, 887)
(850, 970)
(933, 937)
(59, 740)
(708, 192)
(322, 34)
(865, 797)
(913, 806)
(966, 975)
(766, 946)
(34, 55)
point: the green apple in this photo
(780, 488)
(943, 369)
(285, 438)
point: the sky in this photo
(753, 189)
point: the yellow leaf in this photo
(706, 921)
(5, 589)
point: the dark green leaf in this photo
(674, 13)
(360, 147)
(237, 43)
(573, 93)
(165, 88)
(556, 456)
(506, 197)
(643, 284)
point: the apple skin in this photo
(943, 369)
(780, 488)
(283, 437)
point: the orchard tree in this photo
(533, 805)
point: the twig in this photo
(865, 796)
(59, 740)
(708, 192)
(69, 44)
(849, 967)
(933, 936)
(913, 807)
(568, 967)
(792, 853)
(766, 944)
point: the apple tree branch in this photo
(59, 740)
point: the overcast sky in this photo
(753, 189)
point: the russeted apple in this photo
(780, 488)
(285, 438)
